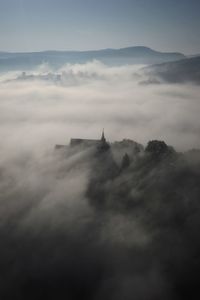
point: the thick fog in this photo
(43, 107)
(57, 238)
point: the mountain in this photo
(130, 55)
(185, 70)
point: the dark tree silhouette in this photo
(159, 149)
(125, 161)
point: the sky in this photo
(35, 25)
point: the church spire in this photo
(103, 139)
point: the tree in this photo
(159, 149)
(125, 161)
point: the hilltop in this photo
(184, 70)
(129, 55)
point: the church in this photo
(85, 143)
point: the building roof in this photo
(85, 142)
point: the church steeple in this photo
(103, 145)
(103, 139)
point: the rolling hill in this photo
(130, 55)
(185, 70)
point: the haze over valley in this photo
(100, 150)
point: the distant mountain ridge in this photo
(128, 55)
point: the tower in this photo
(103, 139)
(103, 145)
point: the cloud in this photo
(91, 96)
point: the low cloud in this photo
(78, 100)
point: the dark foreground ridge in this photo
(110, 221)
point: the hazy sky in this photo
(33, 25)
